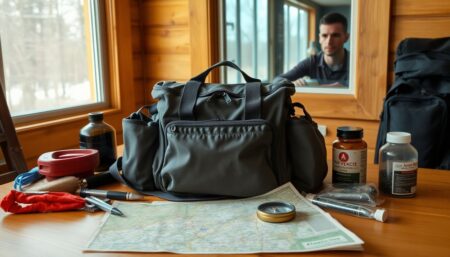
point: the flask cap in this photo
(398, 137)
(95, 116)
(347, 132)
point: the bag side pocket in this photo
(307, 153)
(140, 145)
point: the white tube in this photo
(349, 208)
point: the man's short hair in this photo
(334, 17)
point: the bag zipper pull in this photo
(227, 98)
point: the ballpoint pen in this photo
(103, 205)
(113, 195)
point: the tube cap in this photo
(380, 215)
(398, 137)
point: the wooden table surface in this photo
(417, 226)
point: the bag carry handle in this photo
(192, 87)
(202, 76)
(299, 105)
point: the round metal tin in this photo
(276, 212)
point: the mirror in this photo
(267, 38)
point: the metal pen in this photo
(113, 195)
(104, 206)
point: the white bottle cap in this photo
(380, 215)
(398, 137)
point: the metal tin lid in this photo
(276, 212)
(348, 132)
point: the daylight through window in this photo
(52, 54)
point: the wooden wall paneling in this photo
(135, 8)
(136, 34)
(165, 12)
(138, 66)
(138, 42)
(168, 67)
(419, 26)
(168, 40)
(142, 100)
(415, 7)
(204, 37)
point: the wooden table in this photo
(416, 227)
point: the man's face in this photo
(332, 38)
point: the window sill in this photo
(74, 118)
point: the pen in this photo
(113, 195)
(104, 206)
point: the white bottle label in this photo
(404, 178)
(349, 166)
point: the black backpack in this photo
(419, 100)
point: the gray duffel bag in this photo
(212, 140)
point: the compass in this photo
(276, 212)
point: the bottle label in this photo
(105, 145)
(349, 166)
(404, 178)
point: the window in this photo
(295, 34)
(246, 38)
(53, 56)
(260, 49)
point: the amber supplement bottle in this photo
(349, 156)
(101, 136)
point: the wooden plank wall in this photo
(137, 28)
(166, 47)
(162, 43)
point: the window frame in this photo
(254, 35)
(308, 10)
(61, 132)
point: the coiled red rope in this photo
(19, 202)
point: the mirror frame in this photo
(371, 69)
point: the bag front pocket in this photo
(231, 158)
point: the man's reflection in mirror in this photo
(331, 66)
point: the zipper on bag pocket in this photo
(230, 157)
